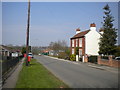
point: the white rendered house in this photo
(87, 41)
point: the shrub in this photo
(92, 59)
(73, 57)
(77, 50)
(62, 55)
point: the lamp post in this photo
(27, 37)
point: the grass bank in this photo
(37, 76)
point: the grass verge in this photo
(37, 76)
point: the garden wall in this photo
(110, 62)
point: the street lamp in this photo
(27, 37)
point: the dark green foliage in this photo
(117, 51)
(77, 50)
(23, 50)
(30, 48)
(108, 38)
(92, 59)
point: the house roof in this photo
(10, 49)
(81, 34)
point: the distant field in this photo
(37, 76)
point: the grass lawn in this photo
(37, 76)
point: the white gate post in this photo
(76, 57)
(83, 59)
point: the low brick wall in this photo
(109, 62)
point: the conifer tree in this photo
(108, 38)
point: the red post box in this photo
(29, 58)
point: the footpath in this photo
(10, 82)
(92, 65)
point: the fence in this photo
(9, 62)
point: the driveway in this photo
(79, 75)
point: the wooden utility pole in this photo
(27, 37)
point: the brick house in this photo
(87, 41)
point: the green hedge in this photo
(92, 59)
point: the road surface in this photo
(79, 75)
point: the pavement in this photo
(10, 82)
(81, 75)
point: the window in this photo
(73, 43)
(76, 42)
(80, 52)
(80, 42)
(72, 51)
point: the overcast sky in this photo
(50, 21)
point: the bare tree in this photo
(60, 45)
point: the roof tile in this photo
(81, 34)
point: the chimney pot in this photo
(77, 30)
(93, 25)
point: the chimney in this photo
(93, 26)
(77, 30)
(101, 30)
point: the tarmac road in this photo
(79, 75)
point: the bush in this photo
(73, 57)
(62, 55)
(92, 59)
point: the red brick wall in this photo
(74, 45)
(110, 62)
(78, 42)
(74, 42)
(104, 62)
(115, 63)
(83, 46)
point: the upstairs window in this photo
(72, 42)
(80, 42)
(76, 42)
